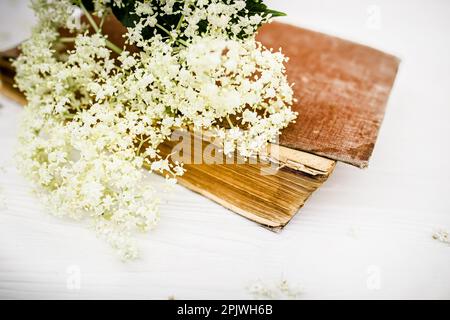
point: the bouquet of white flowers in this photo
(97, 112)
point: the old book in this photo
(7, 76)
(342, 89)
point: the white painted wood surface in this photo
(365, 234)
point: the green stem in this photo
(91, 20)
(229, 122)
(66, 39)
(103, 20)
(89, 17)
(164, 29)
(184, 43)
(142, 144)
(180, 23)
(109, 44)
(113, 47)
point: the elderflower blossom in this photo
(95, 118)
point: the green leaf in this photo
(126, 15)
(258, 7)
(275, 13)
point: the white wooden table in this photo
(365, 234)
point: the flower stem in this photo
(91, 20)
(164, 29)
(102, 22)
(109, 44)
(113, 47)
(89, 17)
(66, 39)
(141, 144)
(184, 43)
(230, 122)
(180, 23)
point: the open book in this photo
(342, 90)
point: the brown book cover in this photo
(342, 88)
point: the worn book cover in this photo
(342, 88)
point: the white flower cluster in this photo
(197, 17)
(442, 236)
(95, 118)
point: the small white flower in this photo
(95, 120)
